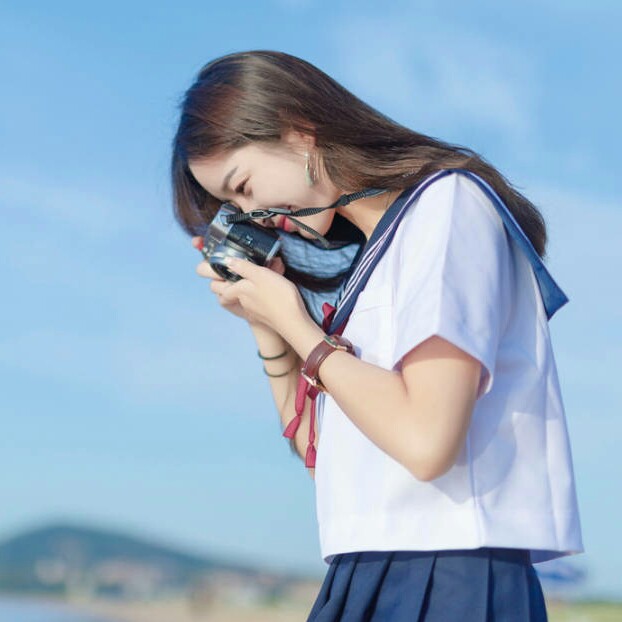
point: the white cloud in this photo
(585, 258)
(584, 231)
(84, 211)
(163, 368)
(112, 306)
(435, 75)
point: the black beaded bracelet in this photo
(272, 358)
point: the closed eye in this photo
(241, 189)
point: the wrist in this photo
(259, 328)
(268, 340)
(275, 352)
(303, 336)
(329, 344)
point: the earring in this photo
(310, 172)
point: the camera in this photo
(244, 240)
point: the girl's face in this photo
(260, 176)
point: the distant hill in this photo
(69, 559)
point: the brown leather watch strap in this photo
(327, 346)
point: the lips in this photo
(284, 223)
(288, 225)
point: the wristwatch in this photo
(327, 346)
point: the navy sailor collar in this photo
(553, 297)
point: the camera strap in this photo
(343, 200)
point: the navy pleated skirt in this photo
(479, 585)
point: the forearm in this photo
(374, 399)
(283, 388)
(419, 416)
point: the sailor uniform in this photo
(449, 259)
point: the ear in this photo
(299, 141)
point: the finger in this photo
(206, 271)
(245, 268)
(277, 265)
(223, 302)
(197, 242)
(219, 286)
(230, 295)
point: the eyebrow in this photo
(228, 176)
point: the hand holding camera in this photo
(219, 284)
(227, 238)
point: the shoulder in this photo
(454, 216)
(450, 236)
(455, 196)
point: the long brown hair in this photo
(255, 96)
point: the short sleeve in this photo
(454, 273)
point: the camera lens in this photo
(217, 262)
(225, 273)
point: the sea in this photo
(20, 610)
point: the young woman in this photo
(443, 469)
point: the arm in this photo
(418, 416)
(270, 343)
(456, 293)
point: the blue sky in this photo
(129, 399)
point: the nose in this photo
(247, 204)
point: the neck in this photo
(366, 213)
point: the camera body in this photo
(245, 240)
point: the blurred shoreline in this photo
(174, 609)
(180, 609)
(183, 609)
